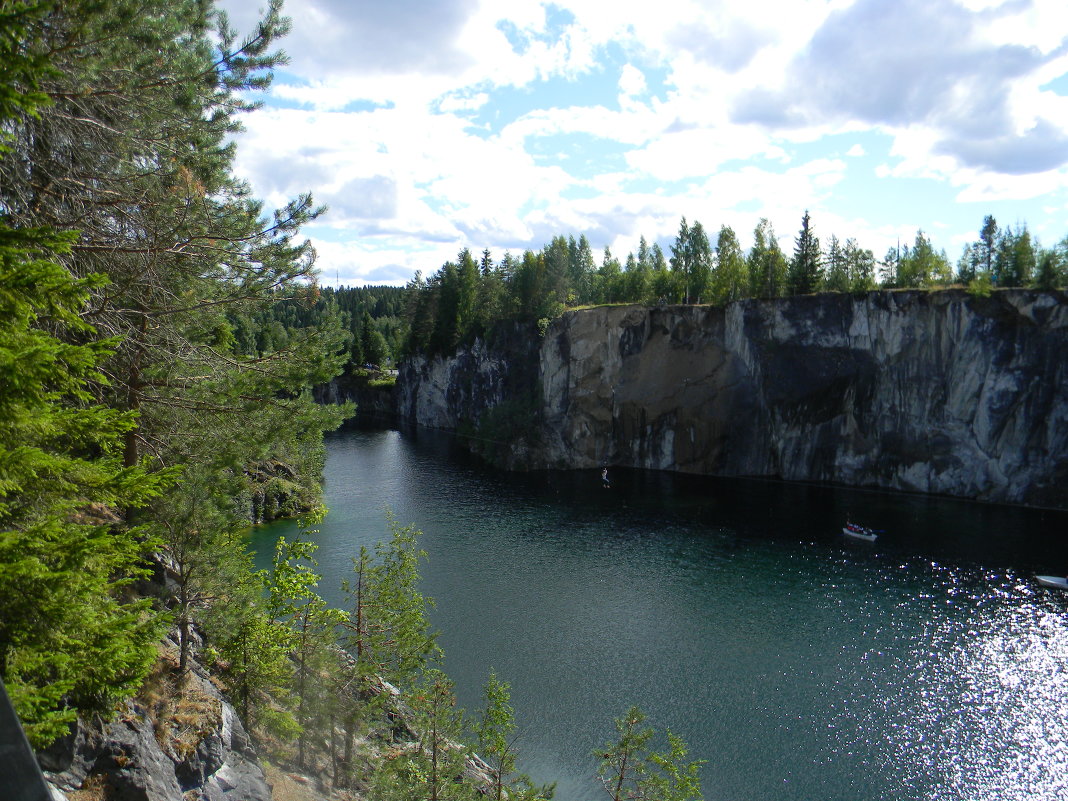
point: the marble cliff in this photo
(936, 392)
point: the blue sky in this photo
(432, 125)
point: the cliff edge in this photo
(935, 392)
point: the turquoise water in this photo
(799, 664)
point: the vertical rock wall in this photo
(934, 392)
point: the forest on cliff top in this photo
(465, 297)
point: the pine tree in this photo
(837, 275)
(69, 641)
(310, 623)
(495, 741)
(134, 150)
(986, 247)
(805, 268)
(432, 768)
(387, 631)
(629, 769)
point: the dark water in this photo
(800, 665)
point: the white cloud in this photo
(716, 110)
(632, 81)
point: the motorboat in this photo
(1053, 582)
(859, 532)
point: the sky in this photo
(427, 126)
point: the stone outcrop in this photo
(126, 757)
(375, 402)
(937, 392)
(446, 393)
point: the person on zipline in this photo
(604, 478)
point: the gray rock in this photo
(936, 392)
(222, 767)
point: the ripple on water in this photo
(800, 665)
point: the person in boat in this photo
(604, 478)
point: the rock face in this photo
(444, 393)
(373, 402)
(936, 392)
(126, 756)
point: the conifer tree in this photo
(134, 151)
(837, 272)
(495, 733)
(387, 632)
(1050, 273)
(310, 624)
(629, 769)
(373, 344)
(986, 247)
(805, 268)
(69, 641)
(432, 769)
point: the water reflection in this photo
(800, 665)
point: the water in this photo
(799, 664)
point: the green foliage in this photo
(1015, 260)
(1050, 272)
(69, 641)
(767, 263)
(629, 769)
(430, 769)
(981, 286)
(836, 276)
(388, 631)
(118, 120)
(921, 266)
(501, 426)
(310, 624)
(255, 655)
(496, 736)
(691, 261)
(860, 267)
(806, 267)
(730, 280)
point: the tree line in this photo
(466, 297)
(372, 316)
